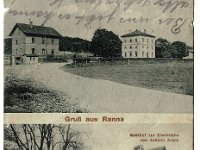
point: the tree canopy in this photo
(165, 49)
(180, 49)
(8, 46)
(105, 44)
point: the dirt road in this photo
(105, 96)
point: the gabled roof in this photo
(35, 30)
(159, 148)
(137, 33)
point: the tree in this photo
(105, 44)
(44, 136)
(163, 48)
(180, 49)
(8, 46)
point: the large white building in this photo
(138, 44)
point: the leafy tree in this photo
(8, 46)
(180, 49)
(105, 44)
(163, 48)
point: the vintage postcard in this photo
(98, 137)
(98, 74)
(98, 56)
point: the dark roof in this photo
(137, 33)
(36, 30)
(159, 148)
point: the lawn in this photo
(174, 76)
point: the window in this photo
(142, 39)
(52, 52)
(135, 40)
(135, 47)
(30, 58)
(42, 40)
(147, 55)
(33, 50)
(130, 40)
(33, 40)
(52, 41)
(142, 54)
(130, 47)
(43, 51)
(142, 46)
(125, 47)
(152, 47)
(33, 58)
(16, 51)
(125, 54)
(125, 40)
(147, 47)
(16, 42)
(135, 53)
(130, 54)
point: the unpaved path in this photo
(106, 96)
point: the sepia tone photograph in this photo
(98, 137)
(98, 56)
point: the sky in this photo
(73, 17)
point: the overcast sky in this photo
(71, 27)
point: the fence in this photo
(84, 62)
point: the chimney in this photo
(145, 30)
(31, 23)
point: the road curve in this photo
(102, 96)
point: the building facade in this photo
(31, 43)
(138, 44)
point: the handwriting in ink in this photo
(45, 14)
(171, 5)
(176, 23)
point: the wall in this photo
(18, 48)
(30, 60)
(38, 45)
(144, 47)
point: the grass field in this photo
(167, 75)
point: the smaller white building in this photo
(138, 44)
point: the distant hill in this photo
(8, 46)
(74, 44)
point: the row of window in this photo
(44, 52)
(135, 54)
(33, 41)
(132, 47)
(32, 58)
(136, 40)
